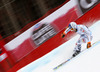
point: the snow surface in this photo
(87, 61)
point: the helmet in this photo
(72, 25)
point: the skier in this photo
(85, 36)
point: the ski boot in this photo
(76, 53)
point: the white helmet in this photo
(73, 25)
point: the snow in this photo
(87, 61)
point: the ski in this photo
(62, 64)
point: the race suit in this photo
(85, 35)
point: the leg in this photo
(77, 49)
(82, 39)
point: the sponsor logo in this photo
(86, 5)
(42, 33)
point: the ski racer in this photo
(85, 36)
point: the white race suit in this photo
(85, 35)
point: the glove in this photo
(88, 45)
(62, 35)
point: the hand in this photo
(62, 35)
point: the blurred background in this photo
(15, 14)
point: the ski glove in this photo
(62, 35)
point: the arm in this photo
(65, 32)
